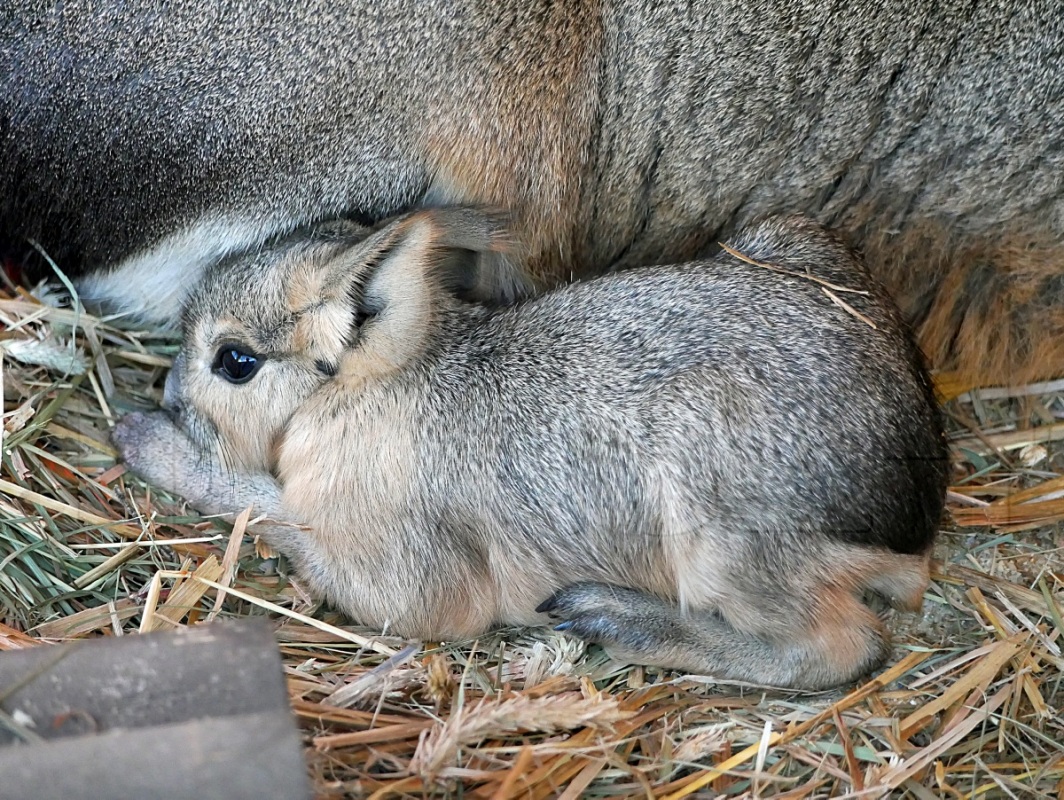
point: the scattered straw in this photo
(230, 560)
(827, 287)
(439, 747)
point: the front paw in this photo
(154, 448)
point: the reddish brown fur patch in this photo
(520, 137)
(990, 310)
(845, 631)
(901, 579)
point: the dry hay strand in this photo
(968, 707)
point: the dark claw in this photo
(563, 626)
(548, 605)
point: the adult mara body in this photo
(142, 141)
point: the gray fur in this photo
(156, 137)
(719, 440)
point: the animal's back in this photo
(753, 391)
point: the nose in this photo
(172, 387)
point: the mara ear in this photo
(489, 278)
(406, 273)
(478, 261)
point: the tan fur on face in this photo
(313, 328)
(247, 419)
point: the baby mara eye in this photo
(236, 365)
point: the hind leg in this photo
(833, 640)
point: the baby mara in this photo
(708, 466)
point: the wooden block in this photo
(200, 712)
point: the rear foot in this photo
(631, 625)
(814, 648)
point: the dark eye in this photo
(236, 365)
